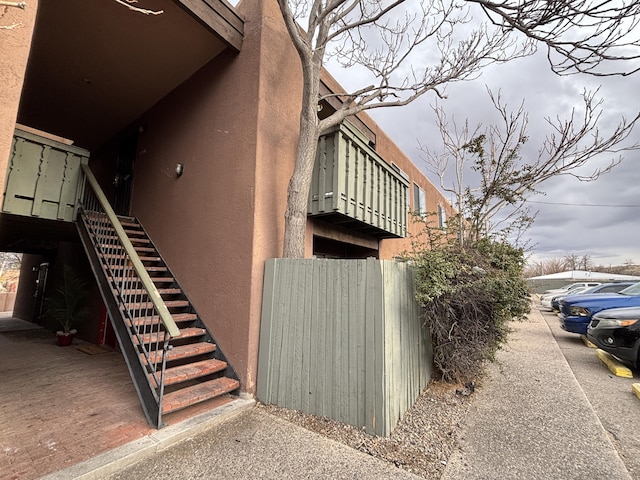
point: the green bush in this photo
(468, 295)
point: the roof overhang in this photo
(96, 66)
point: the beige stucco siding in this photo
(202, 222)
(15, 43)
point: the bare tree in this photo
(413, 48)
(604, 43)
(10, 261)
(586, 263)
(545, 267)
(574, 261)
(492, 155)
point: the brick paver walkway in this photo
(60, 406)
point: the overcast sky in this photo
(598, 219)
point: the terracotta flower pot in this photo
(65, 339)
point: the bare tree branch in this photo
(410, 49)
(580, 35)
(21, 5)
(127, 3)
(503, 179)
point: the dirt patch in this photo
(421, 443)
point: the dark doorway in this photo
(327, 248)
(123, 180)
(42, 271)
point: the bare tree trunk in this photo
(295, 217)
(298, 195)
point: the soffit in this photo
(96, 66)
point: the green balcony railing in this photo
(353, 186)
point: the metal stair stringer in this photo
(172, 357)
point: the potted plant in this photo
(68, 305)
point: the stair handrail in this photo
(157, 301)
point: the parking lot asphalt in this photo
(610, 396)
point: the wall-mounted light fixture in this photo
(179, 169)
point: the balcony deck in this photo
(353, 186)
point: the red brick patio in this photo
(60, 406)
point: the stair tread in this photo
(155, 319)
(137, 248)
(153, 279)
(122, 255)
(198, 393)
(183, 373)
(161, 291)
(182, 351)
(149, 305)
(113, 237)
(147, 268)
(123, 219)
(153, 337)
(145, 258)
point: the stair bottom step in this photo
(198, 393)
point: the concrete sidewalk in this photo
(531, 419)
(250, 443)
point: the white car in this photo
(547, 296)
(545, 300)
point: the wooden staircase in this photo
(194, 369)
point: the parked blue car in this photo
(576, 310)
(613, 287)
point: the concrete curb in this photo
(635, 389)
(119, 458)
(613, 365)
(587, 342)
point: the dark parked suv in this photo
(617, 331)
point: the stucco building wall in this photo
(233, 125)
(202, 221)
(15, 44)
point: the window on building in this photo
(442, 217)
(419, 200)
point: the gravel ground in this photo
(421, 443)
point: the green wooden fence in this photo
(342, 339)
